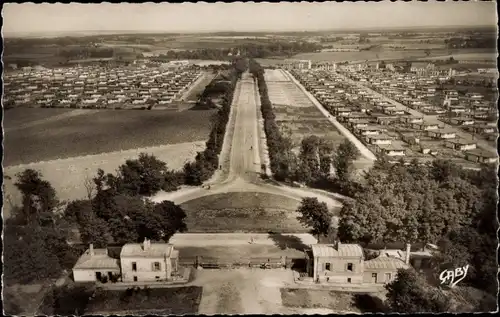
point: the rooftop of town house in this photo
(385, 262)
(340, 250)
(461, 141)
(380, 137)
(147, 249)
(482, 153)
(391, 147)
(96, 259)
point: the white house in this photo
(94, 264)
(148, 261)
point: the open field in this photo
(385, 55)
(163, 301)
(17, 117)
(68, 175)
(237, 253)
(295, 113)
(337, 302)
(466, 57)
(242, 211)
(100, 132)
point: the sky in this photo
(205, 17)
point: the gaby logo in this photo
(452, 277)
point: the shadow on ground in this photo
(367, 303)
(287, 242)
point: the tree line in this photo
(439, 203)
(250, 50)
(317, 155)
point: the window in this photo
(157, 277)
(348, 280)
(134, 266)
(327, 267)
(156, 266)
(135, 278)
(349, 266)
(387, 277)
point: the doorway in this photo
(374, 277)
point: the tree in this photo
(315, 215)
(172, 218)
(38, 195)
(95, 230)
(28, 257)
(144, 176)
(89, 187)
(408, 293)
(343, 160)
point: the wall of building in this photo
(81, 275)
(144, 270)
(381, 276)
(338, 270)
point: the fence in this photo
(254, 262)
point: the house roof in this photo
(385, 262)
(343, 250)
(100, 260)
(154, 250)
(482, 153)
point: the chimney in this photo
(338, 244)
(145, 244)
(408, 249)
(91, 249)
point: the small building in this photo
(95, 264)
(369, 130)
(462, 121)
(425, 126)
(379, 139)
(340, 263)
(410, 138)
(382, 269)
(345, 264)
(461, 144)
(442, 134)
(148, 261)
(391, 150)
(481, 156)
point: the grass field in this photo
(295, 114)
(97, 132)
(242, 212)
(162, 301)
(68, 176)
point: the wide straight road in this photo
(245, 157)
